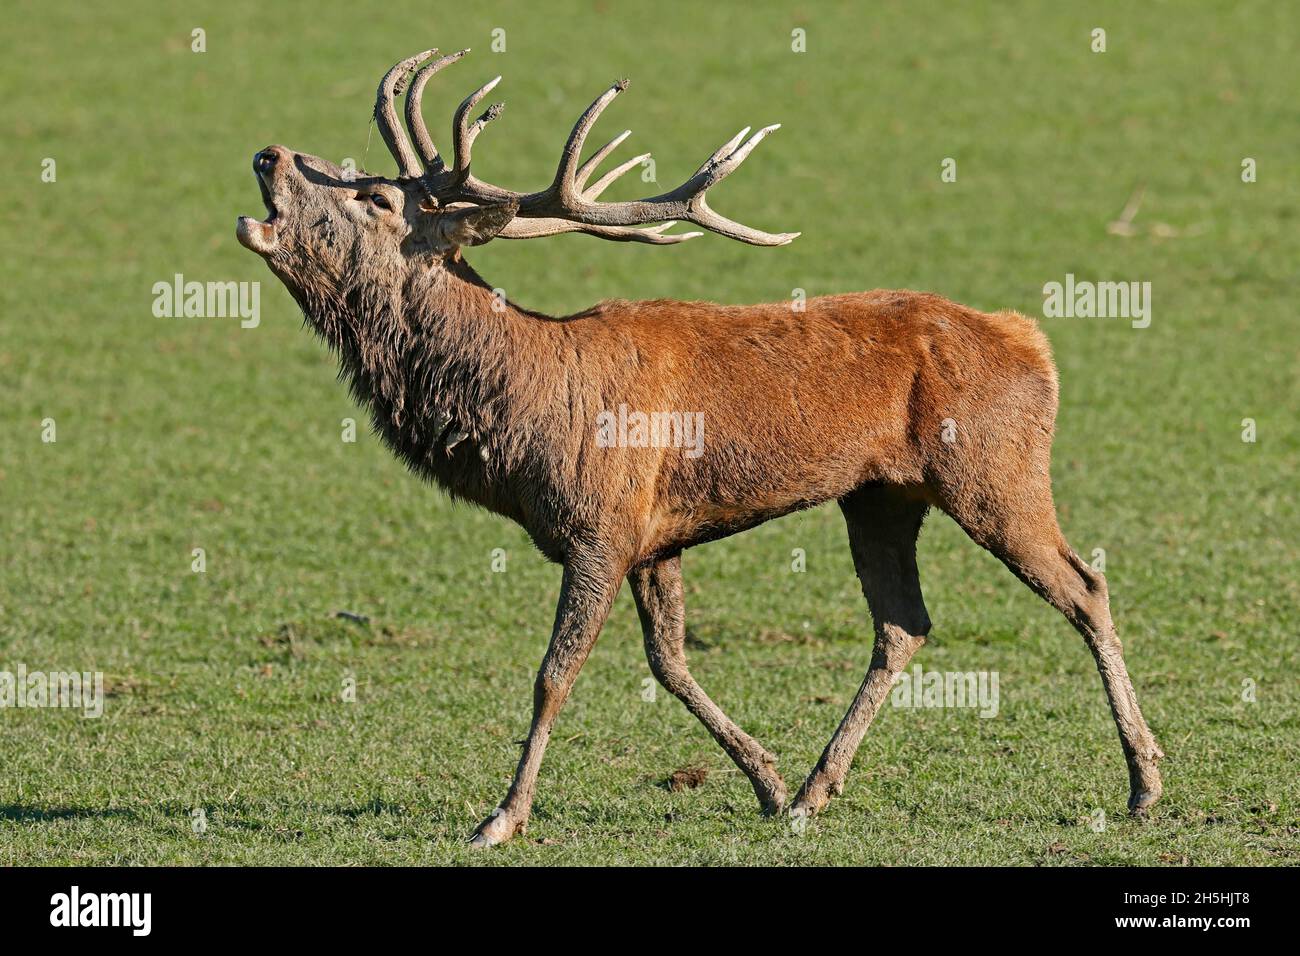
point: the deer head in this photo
(328, 232)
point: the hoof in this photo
(812, 797)
(1145, 789)
(497, 828)
(772, 797)
(775, 805)
(808, 804)
(1141, 801)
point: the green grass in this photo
(174, 434)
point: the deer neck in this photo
(450, 373)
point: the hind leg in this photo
(1021, 530)
(883, 526)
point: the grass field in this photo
(224, 687)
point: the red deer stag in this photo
(855, 399)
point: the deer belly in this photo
(734, 487)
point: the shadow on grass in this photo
(271, 818)
(19, 814)
(375, 807)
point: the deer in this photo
(890, 403)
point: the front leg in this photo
(586, 594)
(657, 590)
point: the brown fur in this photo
(846, 400)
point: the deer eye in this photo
(380, 200)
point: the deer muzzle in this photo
(260, 236)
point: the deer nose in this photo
(265, 161)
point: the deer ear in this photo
(474, 225)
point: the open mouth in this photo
(267, 201)
(260, 237)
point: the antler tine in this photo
(415, 119)
(465, 133)
(589, 167)
(702, 215)
(386, 113)
(716, 170)
(603, 182)
(724, 150)
(537, 228)
(565, 185)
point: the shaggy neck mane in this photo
(449, 372)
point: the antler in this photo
(386, 115)
(415, 120)
(567, 204)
